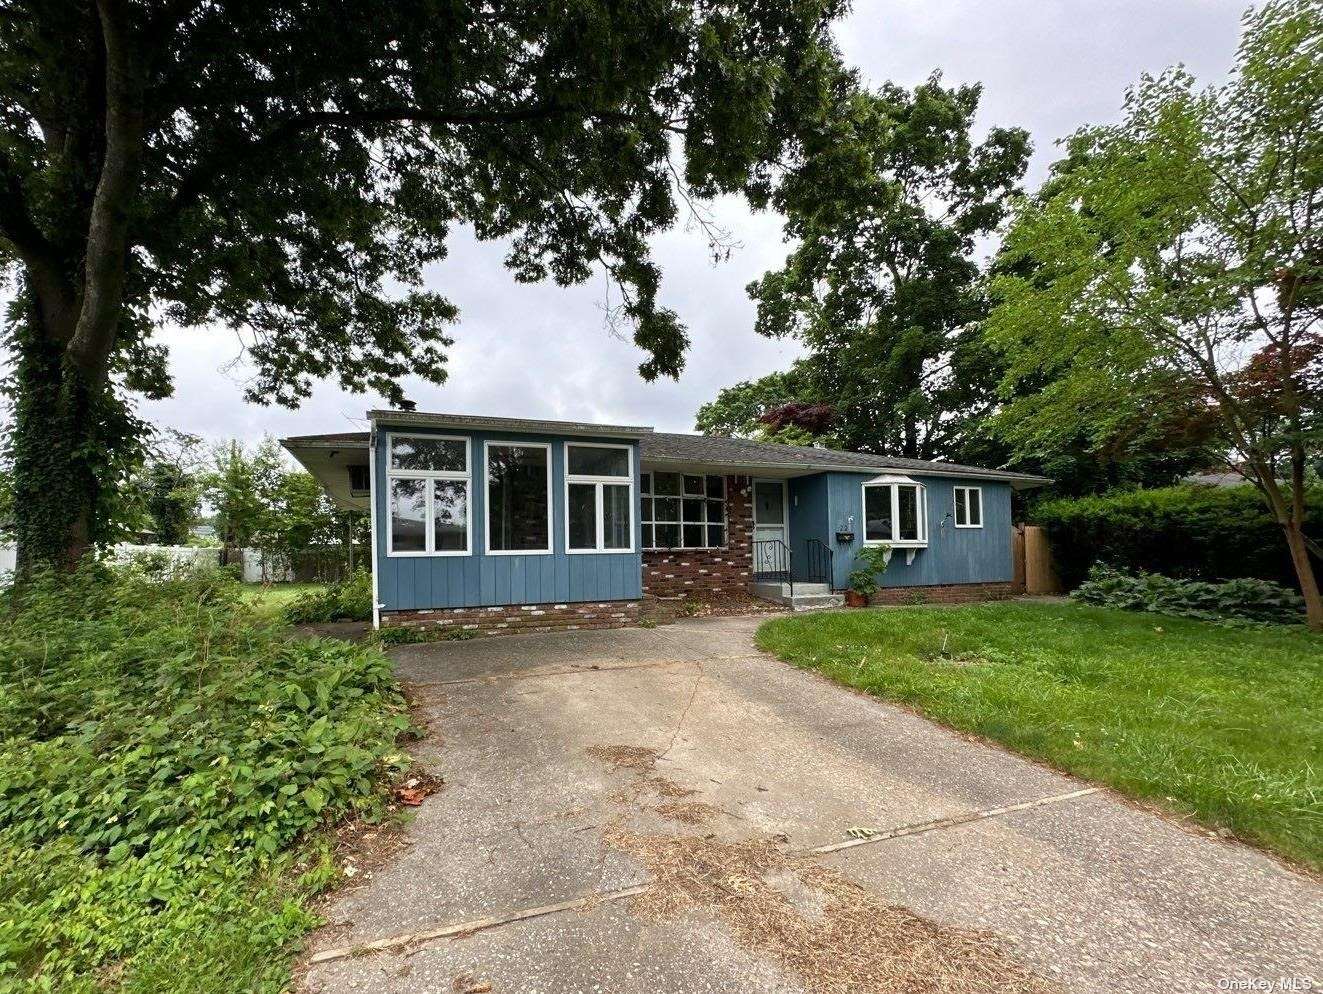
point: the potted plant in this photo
(862, 586)
(873, 560)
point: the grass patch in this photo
(169, 760)
(270, 599)
(1222, 724)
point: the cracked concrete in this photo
(1089, 890)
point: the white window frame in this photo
(651, 494)
(429, 526)
(486, 498)
(600, 481)
(955, 506)
(921, 499)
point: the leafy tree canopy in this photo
(883, 287)
(290, 169)
(1171, 272)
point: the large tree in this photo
(1175, 262)
(288, 169)
(883, 285)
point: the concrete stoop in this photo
(806, 596)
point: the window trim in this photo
(598, 482)
(921, 505)
(681, 497)
(429, 527)
(955, 507)
(486, 502)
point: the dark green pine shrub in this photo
(1243, 599)
(164, 754)
(347, 600)
(1191, 532)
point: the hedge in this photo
(1191, 532)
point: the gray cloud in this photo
(541, 351)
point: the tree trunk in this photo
(55, 447)
(1304, 571)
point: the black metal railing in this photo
(772, 563)
(817, 562)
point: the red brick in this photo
(520, 619)
(680, 572)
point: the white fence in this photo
(256, 569)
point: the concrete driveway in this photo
(555, 748)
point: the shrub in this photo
(346, 600)
(1243, 599)
(163, 753)
(1192, 532)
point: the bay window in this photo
(969, 507)
(683, 511)
(895, 512)
(599, 498)
(518, 498)
(427, 495)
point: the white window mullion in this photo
(429, 519)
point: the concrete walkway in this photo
(1083, 889)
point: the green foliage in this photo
(863, 582)
(348, 600)
(294, 169)
(1244, 599)
(1207, 721)
(883, 288)
(1193, 532)
(872, 561)
(736, 410)
(412, 634)
(163, 752)
(1161, 290)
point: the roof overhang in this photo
(418, 419)
(330, 461)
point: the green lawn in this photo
(270, 599)
(1224, 724)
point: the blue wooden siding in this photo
(953, 555)
(478, 580)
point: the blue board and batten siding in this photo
(953, 555)
(478, 580)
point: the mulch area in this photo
(706, 604)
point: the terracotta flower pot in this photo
(855, 599)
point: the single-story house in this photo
(503, 523)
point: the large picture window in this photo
(518, 498)
(683, 511)
(599, 498)
(427, 494)
(894, 513)
(968, 507)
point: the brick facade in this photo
(951, 593)
(680, 572)
(516, 619)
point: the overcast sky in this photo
(540, 351)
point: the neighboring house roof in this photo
(685, 450)
(1225, 479)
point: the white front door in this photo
(769, 522)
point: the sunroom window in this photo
(683, 511)
(518, 498)
(599, 498)
(428, 496)
(894, 511)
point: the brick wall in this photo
(680, 572)
(951, 593)
(514, 619)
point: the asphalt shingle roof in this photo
(739, 452)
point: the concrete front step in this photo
(805, 596)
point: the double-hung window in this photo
(969, 507)
(683, 511)
(599, 497)
(427, 495)
(895, 512)
(518, 498)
